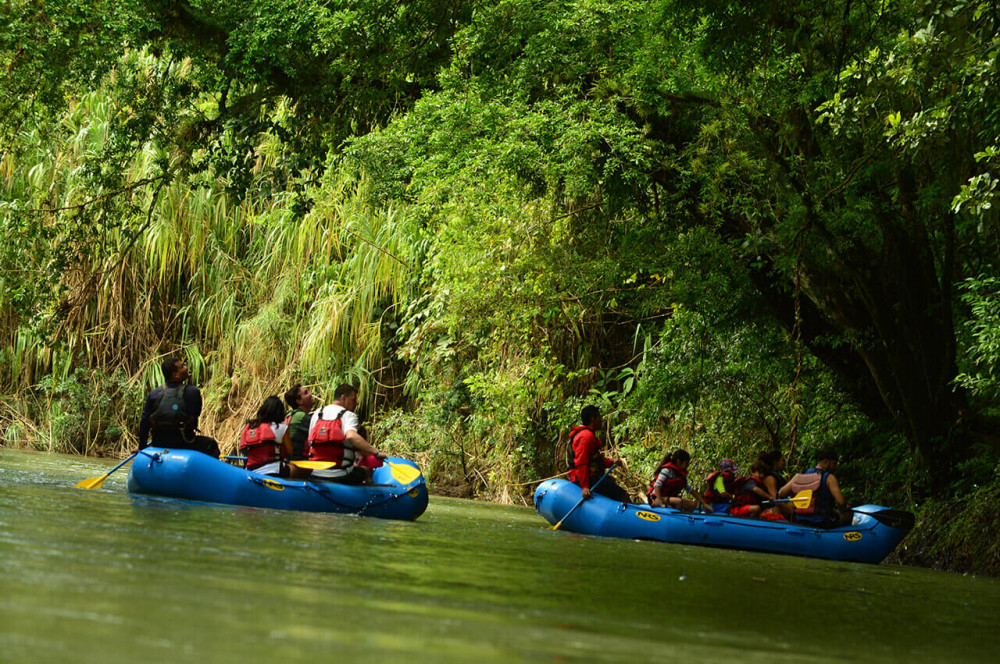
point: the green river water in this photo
(99, 576)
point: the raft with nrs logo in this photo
(875, 532)
(398, 491)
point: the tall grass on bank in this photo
(252, 295)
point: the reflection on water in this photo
(97, 576)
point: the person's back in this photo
(265, 439)
(827, 507)
(171, 411)
(334, 438)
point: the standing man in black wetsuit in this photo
(170, 415)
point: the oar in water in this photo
(606, 473)
(403, 473)
(96, 482)
(800, 500)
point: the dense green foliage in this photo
(734, 225)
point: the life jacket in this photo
(713, 496)
(170, 414)
(326, 441)
(821, 502)
(260, 445)
(673, 486)
(595, 464)
(744, 491)
(298, 433)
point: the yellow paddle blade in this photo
(93, 482)
(802, 498)
(315, 465)
(403, 473)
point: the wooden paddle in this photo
(403, 473)
(96, 482)
(606, 473)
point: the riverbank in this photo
(960, 534)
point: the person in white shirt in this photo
(334, 437)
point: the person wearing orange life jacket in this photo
(750, 493)
(827, 509)
(265, 439)
(719, 491)
(334, 437)
(586, 462)
(669, 480)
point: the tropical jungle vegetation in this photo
(734, 225)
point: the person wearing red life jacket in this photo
(586, 462)
(827, 509)
(265, 439)
(750, 493)
(669, 480)
(334, 437)
(719, 485)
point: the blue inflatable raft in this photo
(874, 533)
(398, 489)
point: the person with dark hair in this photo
(749, 494)
(774, 463)
(265, 439)
(669, 480)
(719, 489)
(334, 438)
(586, 462)
(827, 507)
(301, 401)
(171, 411)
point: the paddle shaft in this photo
(801, 499)
(96, 482)
(606, 473)
(402, 472)
(127, 459)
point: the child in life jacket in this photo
(669, 480)
(719, 492)
(750, 494)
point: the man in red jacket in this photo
(586, 462)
